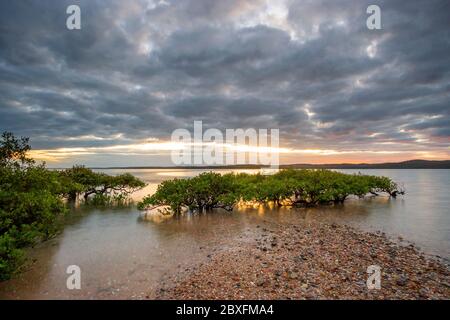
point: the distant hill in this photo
(410, 164)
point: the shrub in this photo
(287, 187)
(31, 198)
(81, 181)
(30, 206)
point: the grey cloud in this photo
(230, 64)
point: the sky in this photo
(112, 93)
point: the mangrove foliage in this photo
(33, 199)
(289, 187)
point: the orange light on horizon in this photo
(287, 155)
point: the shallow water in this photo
(123, 255)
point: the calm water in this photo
(123, 255)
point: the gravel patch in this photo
(312, 261)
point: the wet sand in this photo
(123, 256)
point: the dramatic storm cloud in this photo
(139, 69)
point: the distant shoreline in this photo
(410, 164)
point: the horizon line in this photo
(419, 162)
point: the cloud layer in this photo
(140, 69)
